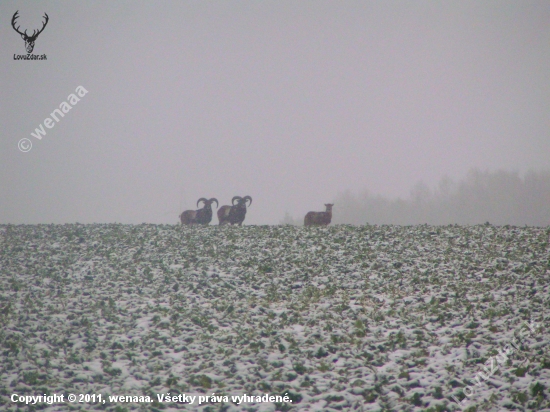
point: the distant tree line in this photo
(500, 198)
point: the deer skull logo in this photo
(29, 40)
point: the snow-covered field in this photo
(372, 318)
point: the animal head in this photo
(329, 206)
(241, 201)
(208, 202)
(29, 40)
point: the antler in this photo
(235, 198)
(247, 198)
(43, 27)
(203, 199)
(34, 33)
(214, 200)
(15, 16)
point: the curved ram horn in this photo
(248, 198)
(235, 198)
(203, 199)
(214, 200)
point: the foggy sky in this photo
(290, 102)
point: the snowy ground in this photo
(373, 318)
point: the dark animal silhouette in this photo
(199, 217)
(235, 214)
(319, 218)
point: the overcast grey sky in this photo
(289, 102)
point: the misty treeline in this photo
(499, 197)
